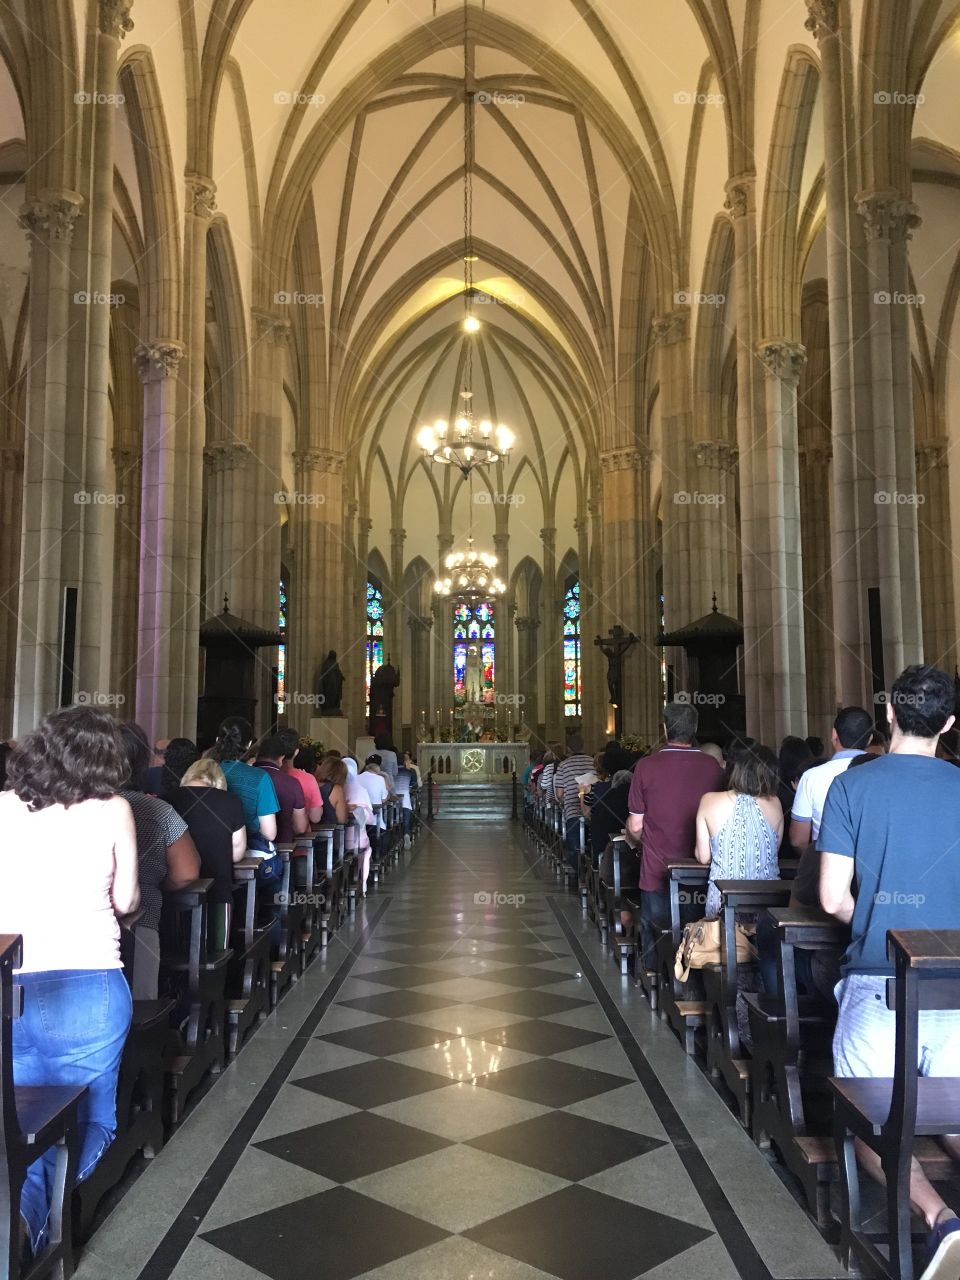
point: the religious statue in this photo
(331, 684)
(613, 646)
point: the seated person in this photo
(300, 762)
(254, 787)
(166, 855)
(291, 806)
(375, 785)
(332, 776)
(890, 831)
(68, 869)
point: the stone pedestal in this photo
(332, 731)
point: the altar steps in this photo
(473, 801)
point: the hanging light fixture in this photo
(470, 576)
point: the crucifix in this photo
(613, 646)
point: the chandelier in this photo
(470, 575)
(466, 443)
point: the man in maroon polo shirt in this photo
(292, 817)
(664, 798)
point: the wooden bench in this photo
(623, 937)
(681, 1003)
(197, 974)
(889, 1114)
(248, 975)
(309, 895)
(727, 1057)
(33, 1119)
(286, 964)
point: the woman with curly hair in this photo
(68, 869)
(254, 786)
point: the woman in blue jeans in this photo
(68, 870)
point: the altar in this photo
(472, 761)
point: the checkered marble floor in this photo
(463, 1108)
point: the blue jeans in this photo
(571, 838)
(72, 1031)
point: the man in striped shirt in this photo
(567, 792)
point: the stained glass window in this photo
(282, 649)
(474, 652)
(374, 633)
(572, 691)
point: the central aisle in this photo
(460, 1096)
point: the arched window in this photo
(374, 633)
(571, 649)
(282, 649)
(474, 652)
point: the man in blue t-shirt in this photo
(893, 831)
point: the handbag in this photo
(270, 870)
(700, 947)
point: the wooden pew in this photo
(248, 976)
(198, 976)
(789, 1105)
(32, 1120)
(584, 863)
(681, 1003)
(623, 938)
(726, 1056)
(308, 894)
(889, 1114)
(287, 950)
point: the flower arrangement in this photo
(631, 742)
(315, 743)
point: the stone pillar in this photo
(160, 641)
(420, 628)
(936, 568)
(815, 464)
(505, 678)
(11, 515)
(593, 622)
(126, 575)
(354, 690)
(888, 222)
(527, 660)
(442, 699)
(396, 605)
(316, 621)
(679, 509)
(229, 558)
(778, 645)
(714, 550)
(49, 488)
(551, 653)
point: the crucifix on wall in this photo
(613, 646)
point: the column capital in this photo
(672, 327)
(398, 537)
(526, 623)
(114, 18)
(887, 215)
(319, 460)
(124, 455)
(718, 455)
(52, 215)
(201, 195)
(548, 536)
(364, 524)
(268, 328)
(932, 453)
(635, 458)
(417, 622)
(739, 190)
(158, 360)
(226, 456)
(783, 359)
(824, 17)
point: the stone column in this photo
(889, 221)
(229, 558)
(815, 464)
(49, 486)
(396, 605)
(127, 465)
(316, 622)
(354, 690)
(714, 552)
(505, 678)
(419, 628)
(592, 623)
(160, 639)
(936, 568)
(551, 652)
(671, 334)
(442, 697)
(527, 658)
(11, 515)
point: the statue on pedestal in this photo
(331, 684)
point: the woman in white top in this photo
(68, 870)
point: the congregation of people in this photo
(122, 824)
(871, 825)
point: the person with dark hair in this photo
(739, 830)
(850, 735)
(178, 756)
(166, 855)
(68, 870)
(291, 806)
(296, 765)
(574, 764)
(795, 756)
(664, 798)
(891, 831)
(817, 749)
(388, 755)
(215, 818)
(254, 787)
(332, 776)
(879, 743)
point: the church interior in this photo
(474, 378)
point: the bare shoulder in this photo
(715, 801)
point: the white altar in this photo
(472, 761)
